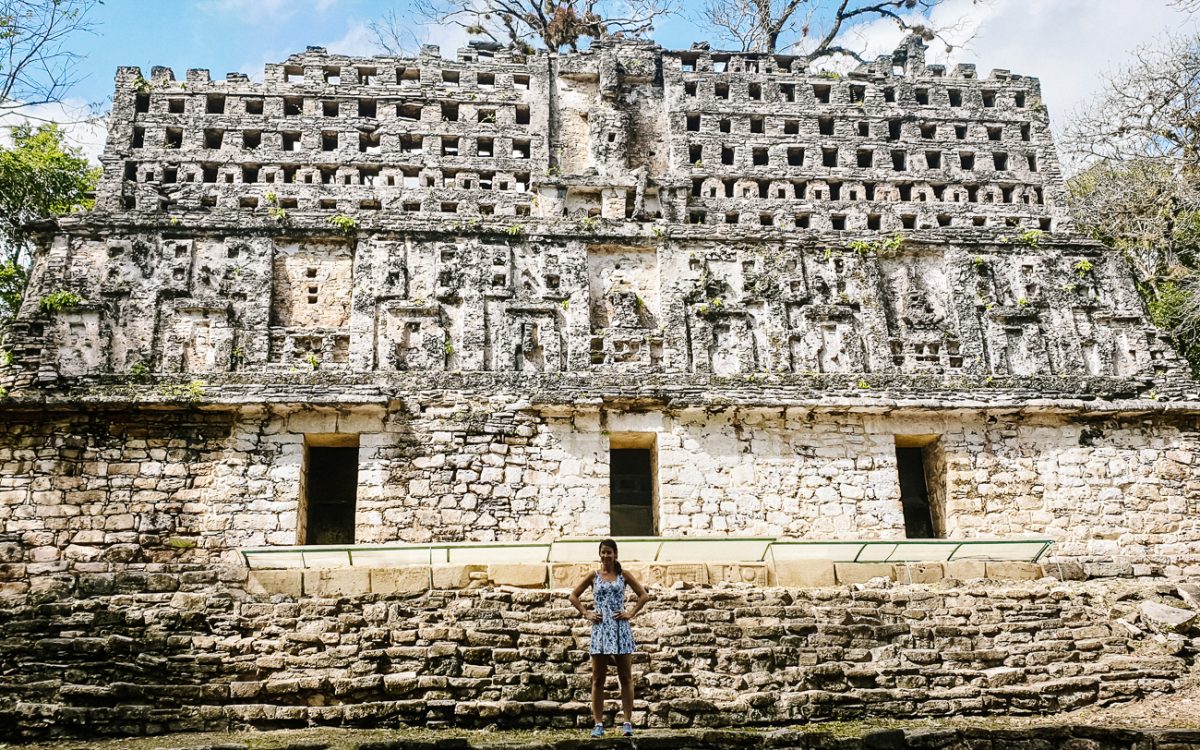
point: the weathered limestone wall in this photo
(82, 491)
(392, 302)
(200, 656)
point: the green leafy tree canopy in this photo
(40, 177)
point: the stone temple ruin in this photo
(509, 298)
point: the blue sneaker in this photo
(598, 730)
(627, 729)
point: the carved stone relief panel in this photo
(525, 337)
(197, 338)
(825, 338)
(313, 283)
(80, 349)
(1017, 344)
(411, 337)
(923, 332)
(577, 97)
(624, 306)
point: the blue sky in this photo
(1069, 44)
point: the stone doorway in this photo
(632, 485)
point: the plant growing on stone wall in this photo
(1082, 268)
(883, 248)
(657, 232)
(589, 223)
(58, 301)
(192, 393)
(313, 361)
(278, 213)
(710, 308)
(344, 224)
(138, 371)
(1022, 302)
(515, 230)
(1031, 238)
(863, 384)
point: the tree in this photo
(529, 24)
(813, 28)
(1138, 149)
(36, 66)
(40, 177)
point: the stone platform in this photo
(152, 653)
(416, 579)
(947, 738)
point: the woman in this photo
(612, 637)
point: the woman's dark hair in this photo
(613, 546)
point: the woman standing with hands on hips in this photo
(612, 637)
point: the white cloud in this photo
(265, 11)
(81, 128)
(356, 41)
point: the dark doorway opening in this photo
(914, 494)
(331, 492)
(631, 491)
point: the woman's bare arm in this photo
(578, 592)
(642, 597)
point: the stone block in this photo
(1167, 619)
(1064, 571)
(1015, 571)
(268, 582)
(337, 582)
(455, 576)
(922, 572)
(862, 572)
(668, 574)
(966, 570)
(739, 572)
(568, 575)
(803, 574)
(407, 579)
(523, 575)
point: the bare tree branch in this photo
(817, 29)
(529, 24)
(36, 67)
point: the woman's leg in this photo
(599, 674)
(625, 676)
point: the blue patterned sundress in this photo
(610, 636)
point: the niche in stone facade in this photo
(525, 337)
(328, 490)
(632, 485)
(313, 284)
(922, 330)
(79, 351)
(826, 339)
(577, 97)
(623, 306)
(412, 337)
(1017, 345)
(920, 464)
(198, 339)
